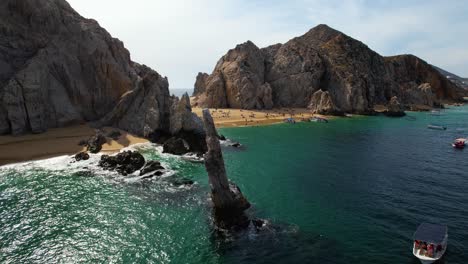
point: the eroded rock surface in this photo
(325, 70)
(229, 203)
(58, 68)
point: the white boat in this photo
(430, 242)
(319, 120)
(436, 127)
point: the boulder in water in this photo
(125, 163)
(82, 156)
(176, 146)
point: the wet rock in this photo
(176, 146)
(125, 163)
(258, 223)
(95, 143)
(229, 203)
(153, 175)
(82, 156)
(151, 166)
(236, 145)
(181, 182)
(221, 137)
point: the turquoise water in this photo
(351, 191)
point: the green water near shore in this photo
(351, 191)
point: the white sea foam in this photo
(67, 163)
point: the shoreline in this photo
(57, 142)
(246, 118)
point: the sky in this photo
(180, 38)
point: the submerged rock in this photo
(182, 182)
(229, 203)
(125, 163)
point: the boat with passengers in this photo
(430, 242)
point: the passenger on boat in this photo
(417, 244)
(430, 250)
(439, 248)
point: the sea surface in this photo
(180, 92)
(350, 191)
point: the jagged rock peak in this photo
(352, 77)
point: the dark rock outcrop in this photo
(125, 163)
(325, 70)
(58, 68)
(176, 146)
(394, 108)
(94, 144)
(82, 156)
(228, 201)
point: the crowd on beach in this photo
(250, 117)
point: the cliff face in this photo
(324, 70)
(58, 68)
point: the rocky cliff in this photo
(325, 70)
(58, 68)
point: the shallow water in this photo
(350, 191)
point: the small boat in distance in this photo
(459, 143)
(430, 242)
(436, 127)
(319, 119)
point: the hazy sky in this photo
(181, 38)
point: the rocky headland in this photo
(58, 69)
(325, 71)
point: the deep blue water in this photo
(350, 191)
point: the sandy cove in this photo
(239, 117)
(64, 141)
(57, 142)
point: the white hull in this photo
(438, 255)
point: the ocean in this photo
(350, 191)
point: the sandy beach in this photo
(56, 142)
(64, 141)
(239, 117)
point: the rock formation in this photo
(200, 83)
(394, 108)
(321, 103)
(325, 70)
(58, 68)
(125, 163)
(228, 201)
